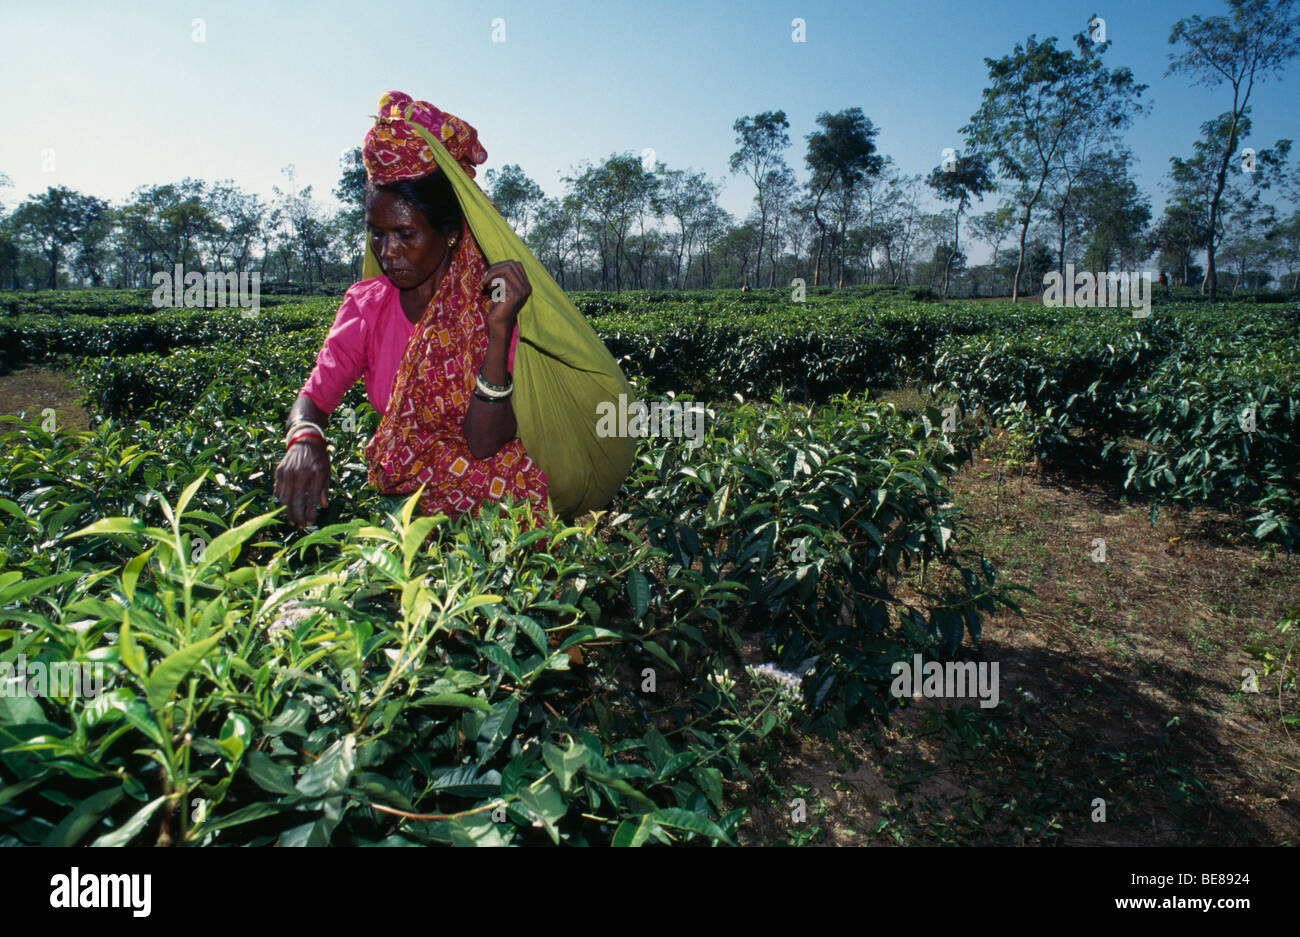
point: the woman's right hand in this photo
(301, 480)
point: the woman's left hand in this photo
(508, 296)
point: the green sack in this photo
(564, 376)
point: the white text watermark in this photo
(950, 680)
(59, 679)
(1113, 289)
(674, 418)
(209, 290)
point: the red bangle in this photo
(304, 435)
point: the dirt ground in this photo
(34, 389)
(1122, 683)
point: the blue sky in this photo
(124, 96)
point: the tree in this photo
(235, 221)
(556, 236)
(965, 178)
(714, 226)
(1113, 211)
(1180, 232)
(57, 219)
(737, 249)
(515, 195)
(1041, 100)
(349, 224)
(842, 155)
(685, 198)
(351, 189)
(166, 220)
(301, 224)
(781, 190)
(1038, 261)
(1254, 42)
(901, 210)
(1251, 239)
(8, 244)
(993, 228)
(761, 139)
(611, 195)
(1208, 195)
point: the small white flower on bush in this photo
(790, 685)
(723, 680)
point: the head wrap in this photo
(393, 150)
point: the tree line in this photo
(1047, 139)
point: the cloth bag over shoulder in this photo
(564, 376)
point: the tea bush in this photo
(394, 679)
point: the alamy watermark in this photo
(209, 290)
(77, 889)
(1114, 288)
(672, 418)
(60, 679)
(949, 680)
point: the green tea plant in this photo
(385, 696)
(817, 514)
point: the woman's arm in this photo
(303, 475)
(489, 426)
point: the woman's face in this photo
(410, 251)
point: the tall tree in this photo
(1040, 100)
(1254, 42)
(1176, 238)
(685, 198)
(841, 155)
(166, 220)
(349, 224)
(301, 225)
(1198, 186)
(515, 195)
(781, 190)
(993, 228)
(555, 237)
(351, 188)
(612, 195)
(1113, 211)
(902, 219)
(57, 219)
(8, 243)
(762, 140)
(966, 178)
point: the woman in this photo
(490, 384)
(434, 337)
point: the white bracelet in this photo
(487, 391)
(293, 430)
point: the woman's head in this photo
(411, 208)
(409, 223)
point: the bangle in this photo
(305, 434)
(298, 423)
(493, 390)
(499, 399)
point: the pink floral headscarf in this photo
(393, 150)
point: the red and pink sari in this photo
(421, 437)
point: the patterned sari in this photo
(421, 437)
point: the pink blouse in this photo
(368, 338)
